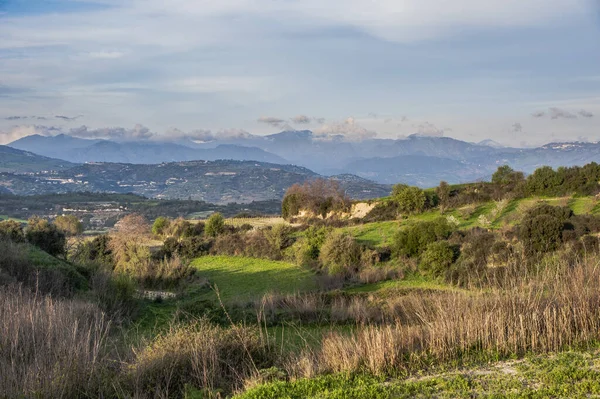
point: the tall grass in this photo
(49, 348)
(557, 309)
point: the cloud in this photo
(105, 55)
(301, 119)
(17, 132)
(428, 129)
(139, 132)
(15, 118)
(586, 114)
(349, 129)
(517, 127)
(68, 118)
(559, 113)
(320, 120)
(271, 120)
(539, 114)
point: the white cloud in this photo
(107, 55)
(349, 129)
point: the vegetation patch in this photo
(241, 278)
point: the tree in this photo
(11, 230)
(319, 197)
(409, 199)
(541, 229)
(543, 181)
(46, 236)
(160, 226)
(215, 225)
(69, 224)
(443, 193)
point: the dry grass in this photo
(49, 348)
(557, 309)
(210, 358)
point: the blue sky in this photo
(521, 72)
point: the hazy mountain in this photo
(139, 152)
(416, 159)
(217, 182)
(17, 161)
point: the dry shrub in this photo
(558, 308)
(49, 348)
(205, 356)
(376, 274)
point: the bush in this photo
(207, 357)
(69, 225)
(215, 225)
(413, 240)
(160, 226)
(12, 231)
(542, 227)
(45, 236)
(340, 254)
(319, 197)
(437, 259)
(409, 199)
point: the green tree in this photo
(46, 236)
(437, 259)
(11, 230)
(215, 225)
(409, 199)
(160, 226)
(544, 181)
(69, 224)
(443, 193)
(541, 229)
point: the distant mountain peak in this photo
(490, 143)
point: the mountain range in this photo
(416, 159)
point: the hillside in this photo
(218, 182)
(18, 161)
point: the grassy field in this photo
(491, 214)
(566, 375)
(239, 278)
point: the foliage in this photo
(437, 259)
(160, 226)
(541, 229)
(12, 231)
(318, 197)
(409, 199)
(443, 194)
(46, 236)
(69, 224)
(340, 254)
(413, 240)
(215, 225)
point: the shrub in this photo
(409, 199)
(319, 197)
(160, 226)
(97, 250)
(542, 227)
(204, 356)
(215, 225)
(413, 240)
(340, 254)
(437, 259)
(69, 225)
(11, 230)
(46, 236)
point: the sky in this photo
(520, 72)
